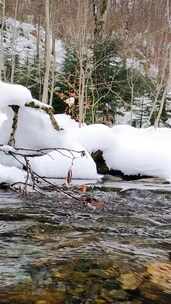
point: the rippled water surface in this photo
(57, 250)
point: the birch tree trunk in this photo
(169, 76)
(2, 8)
(48, 53)
(39, 61)
(157, 120)
(82, 49)
(14, 43)
(53, 70)
(99, 14)
(81, 95)
(38, 39)
(159, 87)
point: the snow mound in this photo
(130, 150)
(3, 117)
(35, 130)
(65, 121)
(93, 137)
(11, 175)
(13, 94)
(133, 151)
(140, 151)
(58, 163)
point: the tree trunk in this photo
(99, 14)
(48, 53)
(38, 57)
(14, 43)
(1, 39)
(156, 123)
(38, 39)
(81, 95)
(169, 76)
(53, 70)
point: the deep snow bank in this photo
(65, 121)
(35, 130)
(130, 150)
(93, 137)
(11, 175)
(58, 163)
(140, 151)
(13, 94)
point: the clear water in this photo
(57, 250)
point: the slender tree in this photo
(48, 51)
(2, 17)
(13, 45)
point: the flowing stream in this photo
(57, 250)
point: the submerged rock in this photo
(131, 281)
(58, 250)
(153, 284)
(157, 282)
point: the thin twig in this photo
(35, 177)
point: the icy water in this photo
(57, 250)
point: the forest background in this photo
(116, 61)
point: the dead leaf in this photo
(83, 188)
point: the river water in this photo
(54, 249)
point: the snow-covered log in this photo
(130, 150)
(29, 124)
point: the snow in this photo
(6, 159)
(5, 125)
(125, 118)
(11, 175)
(140, 151)
(153, 71)
(136, 64)
(131, 150)
(25, 45)
(93, 137)
(139, 113)
(7, 149)
(3, 117)
(35, 131)
(65, 121)
(59, 53)
(37, 104)
(58, 163)
(13, 94)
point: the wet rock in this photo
(131, 281)
(100, 301)
(153, 284)
(118, 294)
(100, 162)
(160, 275)
(157, 282)
(107, 273)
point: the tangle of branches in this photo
(33, 179)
